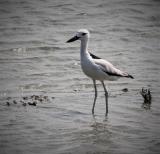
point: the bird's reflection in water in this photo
(101, 130)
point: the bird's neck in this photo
(84, 47)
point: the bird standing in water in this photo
(95, 67)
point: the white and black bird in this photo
(95, 67)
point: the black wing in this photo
(93, 56)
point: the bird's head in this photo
(82, 34)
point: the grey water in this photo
(35, 60)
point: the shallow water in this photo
(35, 60)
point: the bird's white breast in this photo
(91, 69)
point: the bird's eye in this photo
(83, 34)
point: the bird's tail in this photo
(125, 74)
(130, 76)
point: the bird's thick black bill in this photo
(72, 39)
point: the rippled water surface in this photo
(36, 61)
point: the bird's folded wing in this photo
(108, 68)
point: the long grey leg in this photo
(106, 97)
(95, 97)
